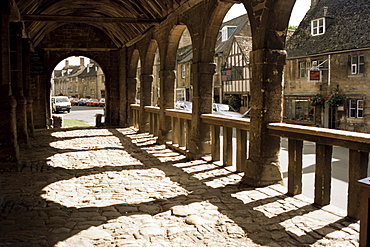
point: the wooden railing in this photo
(359, 148)
(226, 128)
(135, 110)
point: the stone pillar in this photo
(202, 104)
(26, 87)
(9, 149)
(123, 110)
(131, 98)
(262, 167)
(166, 101)
(113, 90)
(16, 70)
(145, 100)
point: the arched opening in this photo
(81, 81)
(156, 79)
(184, 60)
(137, 76)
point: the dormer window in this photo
(227, 31)
(318, 27)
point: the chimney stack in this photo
(325, 11)
(313, 3)
(82, 61)
(67, 63)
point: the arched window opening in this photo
(78, 89)
(184, 60)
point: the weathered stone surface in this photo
(221, 217)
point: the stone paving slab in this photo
(116, 187)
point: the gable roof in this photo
(242, 29)
(76, 70)
(347, 28)
(89, 71)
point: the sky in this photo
(299, 10)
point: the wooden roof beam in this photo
(85, 19)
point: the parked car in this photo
(183, 105)
(60, 103)
(82, 101)
(102, 102)
(73, 101)
(92, 102)
(220, 109)
(225, 110)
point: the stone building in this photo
(183, 79)
(91, 82)
(79, 81)
(327, 80)
(65, 81)
(37, 34)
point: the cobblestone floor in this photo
(115, 187)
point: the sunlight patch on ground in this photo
(113, 188)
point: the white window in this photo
(357, 65)
(318, 26)
(303, 69)
(226, 32)
(356, 108)
(92, 91)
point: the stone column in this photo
(145, 100)
(202, 104)
(9, 149)
(26, 87)
(262, 167)
(166, 101)
(131, 98)
(124, 110)
(16, 62)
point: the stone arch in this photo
(133, 61)
(173, 44)
(269, 22)
(54, 59)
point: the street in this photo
(84, 114)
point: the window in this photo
(92, 91)
(237, 73)
(183, 71)
(299, 110)
(357, 65)
(318, 26)
(356, 108)
(303, 69)
(226, 32)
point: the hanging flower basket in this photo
(318, 99)
(335, 100)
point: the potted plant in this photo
(335, 100)
(318, 99)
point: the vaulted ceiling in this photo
(121, 20)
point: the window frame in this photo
(357, 65)
(183, 71)
(306, 66)
(355, 108)
(316, 28)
